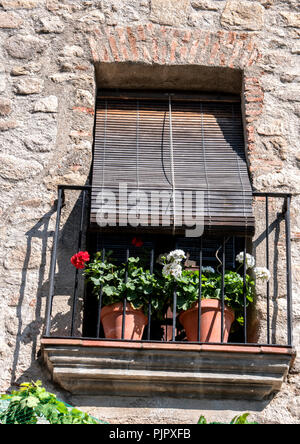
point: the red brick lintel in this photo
(157, 44)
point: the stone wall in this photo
(52, 56)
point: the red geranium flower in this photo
(79, 259)
(137, 242)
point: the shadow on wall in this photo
(63, 289)
(128, 75)
(277, 285)
(163, 410)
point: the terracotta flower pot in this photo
(112, 317)
(210, 327)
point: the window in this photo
(163, 149)
(174, 145)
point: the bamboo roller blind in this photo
(133, 141)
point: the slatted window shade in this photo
(173, 146)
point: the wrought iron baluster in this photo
(53, 263)
(174, 312)
(245, 289)
(200, 290)
(267, 265)
(74, 304)
(288, 269)
(174, 305)
(150, 297)
(222, 291)
(125, 298)
(100, 301)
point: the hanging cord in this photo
(217, 257)
(172, 162)
(137, 178)
(104, 144)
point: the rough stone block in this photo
(24, 46)
(271, 127)
(19, 4)
(291, 19)
(13, 168)
(22, 70)
(6, 125)
(207, 5)
(2, 83)
(48, 25)
(94, 16)
(243, 15)
(61, 77)
(73, 51)
(30, 85)
(168, 12)
(18, 256)
(40, 142)
(9, 21)
(47, 105)
(5, 106)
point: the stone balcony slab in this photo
(120, 368)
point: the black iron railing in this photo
(281, 217)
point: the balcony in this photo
(251, 364)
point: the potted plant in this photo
(211, 305)
(187, 289)
(117, 282)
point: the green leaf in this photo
(202, 420)
(60, 406)
(16, 398)
(130, 286)
(96, 281)
(240, 419)
(109, 290)
(32, 401)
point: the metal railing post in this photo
(174, 313)
(150, 297)
(267, 265)
(222, 290)
(53, 263)
(245, 289)
(74, 304)
(125, 299)
(100, 301)
(288, 270)
(200, 290)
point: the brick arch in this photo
(155, 44)
(162, 45)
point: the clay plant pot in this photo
(210, 327)
(112, 318)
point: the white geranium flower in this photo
(172, 269)
(208, 269)
(176, 256)
(262, 273)
(250, 261)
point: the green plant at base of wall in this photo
(32, 403)
(239, 419)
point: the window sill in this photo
(222, 371)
